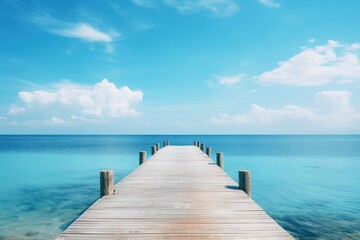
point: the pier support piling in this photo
(208, 151)
(245, 181)
(106, 182)
(142, 157)
(202, 147)
(219, 159)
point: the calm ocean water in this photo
(309, 184)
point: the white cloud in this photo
(42, 97)
(83, 31)
(333, 111)
(334, 108)
(144, 3)
(80, 30)
(230, 80)
(16, 110)
(333, 62)
(270, 3)
(2, 118)
(354, 47)
(311, 40)
(57, 120)
(259, 114)
(102, 100)
(217, 7)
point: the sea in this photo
(310, 184)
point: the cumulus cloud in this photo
(333, 110)
(102, 100)
(217, 7)
(269, 3)
(80, 30)
(230, 80)
(333, 62)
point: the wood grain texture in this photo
(178, 193)
(106, 182)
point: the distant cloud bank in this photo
(332, 111)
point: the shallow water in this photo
(309, 184)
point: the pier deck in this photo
(179, 193)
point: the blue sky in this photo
(167, 66)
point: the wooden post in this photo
(198, 144)
(164, 144)
(106, 182)
(195, 143)
(157, 146)
(208, 151)
(167, 143)
(153, 150)
(245, 181)
(142, 157)
(219, 159)
(202, 147)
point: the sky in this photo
(179, 67)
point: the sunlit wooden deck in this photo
(179, 193)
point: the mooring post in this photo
(208, 151)
(202, 147)
(219, 159)
(195, 143)
(106, 182)
(198, 144)
(164, 144)
(142, 157)
(245, 181)
(157, 146)
(167, 143)
(153, 150)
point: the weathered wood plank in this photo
(178, 193)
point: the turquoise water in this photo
(309, 184)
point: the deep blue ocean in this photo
(310, 184)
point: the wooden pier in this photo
(178, 193)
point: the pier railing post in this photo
(219, 159)
(202, 147)
(208, 151)
(106, 182)
(157, 146)
(153, 150)
(164, 144)
(198, 144)
(195, 143)
(142, 157)
(245, 181)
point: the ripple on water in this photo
(43, 213)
